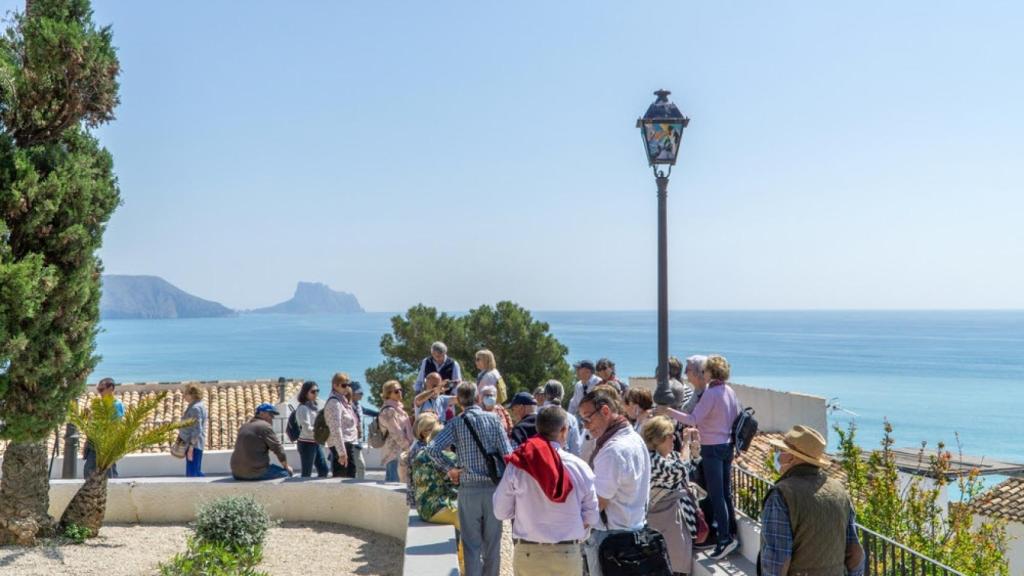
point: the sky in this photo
(862, 156)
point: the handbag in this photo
(179, 449)
(495, 460)
(634, 553)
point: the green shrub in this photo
(76, 533)
(205, 558)
(238, 522)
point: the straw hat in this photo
(805, 443)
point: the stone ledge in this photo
(430, 549)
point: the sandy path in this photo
(132, 550)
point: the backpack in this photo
(744, 428)
(292, 429)
(378, 434)
(321, 431)
(640, 553)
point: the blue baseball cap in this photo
(267, 407)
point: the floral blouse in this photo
(432, 491)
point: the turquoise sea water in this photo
(932, 374)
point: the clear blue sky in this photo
(459, 153)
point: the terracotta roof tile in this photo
(1004, 500)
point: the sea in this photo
(950, 376)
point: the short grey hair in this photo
(554, 391)
(697, 362)
(466, 394)
(439, 347)
(550, 422)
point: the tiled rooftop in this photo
(230, 404)
(760, 451)
(1004, 500)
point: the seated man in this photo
(256, 439)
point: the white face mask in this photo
(777, 461)
(490, 401)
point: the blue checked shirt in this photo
(777, 536)
(469, 458)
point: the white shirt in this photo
(537, 518)
(579, 391)
(623, 477)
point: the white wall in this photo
(215, 463)
(1015, 548)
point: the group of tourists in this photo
(582, 487)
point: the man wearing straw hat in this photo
(808, 519)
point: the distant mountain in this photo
(315, 298)
(153, 297)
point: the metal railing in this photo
(883, 556)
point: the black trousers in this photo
(339, 471)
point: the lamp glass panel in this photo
(662, 140)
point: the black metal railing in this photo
(883, 556)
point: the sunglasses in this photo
(313, 390)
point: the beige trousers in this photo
(547, 560)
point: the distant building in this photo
(1005, 501)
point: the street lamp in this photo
(662, 131)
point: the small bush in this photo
(205, 558)
(237, 522)
(76, 533)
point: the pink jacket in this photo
(399, 427)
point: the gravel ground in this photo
(133, 550)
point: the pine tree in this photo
(58, 79)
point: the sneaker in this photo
(706, 545)
(723, 550)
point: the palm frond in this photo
(114, 437)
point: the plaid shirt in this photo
(777, 536)
(469, 458)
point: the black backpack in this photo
(639, 553)
(744, 428)
(292, 429)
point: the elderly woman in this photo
(713, 416)
(434, 496)
(671, 509)
(489, 375)
(638, 403)
(310, 452)
(395, 421)
(195, 434)
(488, 398)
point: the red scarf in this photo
(538, 458)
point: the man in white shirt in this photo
(622, 471)
(549, 493)
(585, 383)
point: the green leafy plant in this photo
(238, 522)
(112, 438)
(77, 534)
(911, 513)
(206, 558)
(527, 353)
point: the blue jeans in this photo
(273, 471)
(717, 462)
(391, 471)
(194, 467)
(312, 454)
(481, 531)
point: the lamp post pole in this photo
(663, 385)
(662, 131)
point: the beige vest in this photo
(819, 511)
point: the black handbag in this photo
(639, 553)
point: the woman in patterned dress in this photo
(671, 509)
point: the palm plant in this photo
(112, 438)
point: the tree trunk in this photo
(25, 494)
(89, 505)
